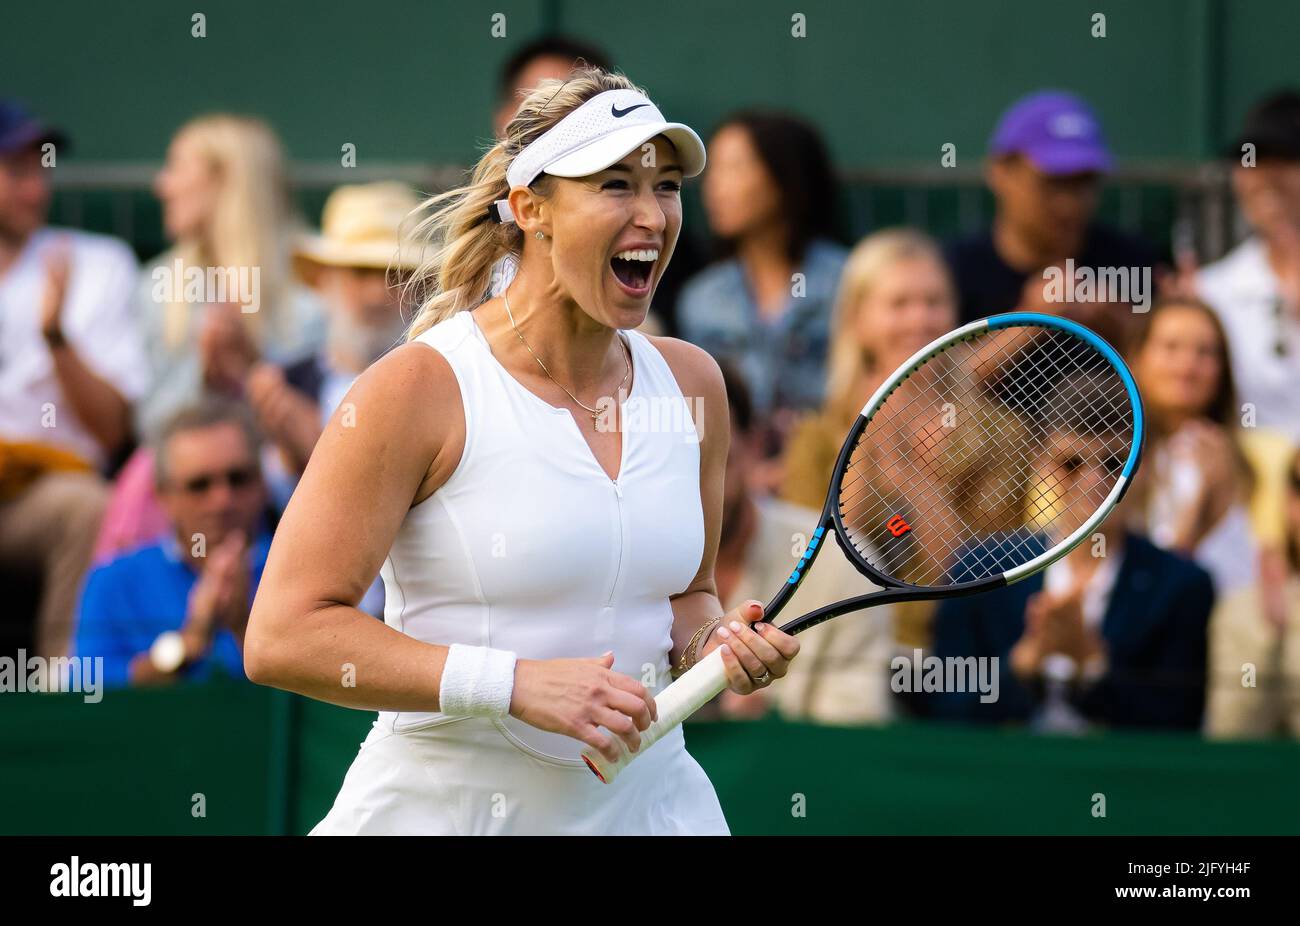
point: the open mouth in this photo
(634, 269)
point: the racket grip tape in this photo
(696, 688)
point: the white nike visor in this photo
(600, 132)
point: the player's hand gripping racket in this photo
(991, 453)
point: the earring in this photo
(540, 236)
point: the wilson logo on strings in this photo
(897, 526)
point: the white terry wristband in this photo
(477, 681)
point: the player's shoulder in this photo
(411, 370)
(448, 336)
(700, 380)
(696, 371)
(413, 384)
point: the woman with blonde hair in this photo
(218, 301)
(223, 296)
(895, 297)
(545, 567)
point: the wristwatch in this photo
(167, 654)
(54, 338)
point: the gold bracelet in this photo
(688, 655)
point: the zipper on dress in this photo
(618, 565)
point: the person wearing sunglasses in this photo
(176, 609)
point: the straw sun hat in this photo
(361, 227)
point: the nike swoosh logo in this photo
(620, 113)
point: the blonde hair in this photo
(862, 271)
(465, 243)
(253, 222)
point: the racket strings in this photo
(985, 499)
(989, 453)
(989, 433)
(993, 498)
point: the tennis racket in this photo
(987, 456)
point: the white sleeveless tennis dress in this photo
(531, 547)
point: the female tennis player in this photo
(546, 569)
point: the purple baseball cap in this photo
(1056, 130)
(19, 129)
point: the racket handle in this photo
(696, 688)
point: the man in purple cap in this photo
(1046, 161)
(71, 361)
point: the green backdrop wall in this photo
(268, 762)
(889, 82)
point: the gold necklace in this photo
(595, 413)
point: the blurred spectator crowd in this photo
(154, 421)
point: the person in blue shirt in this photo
(770, 196)
(177, 608)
